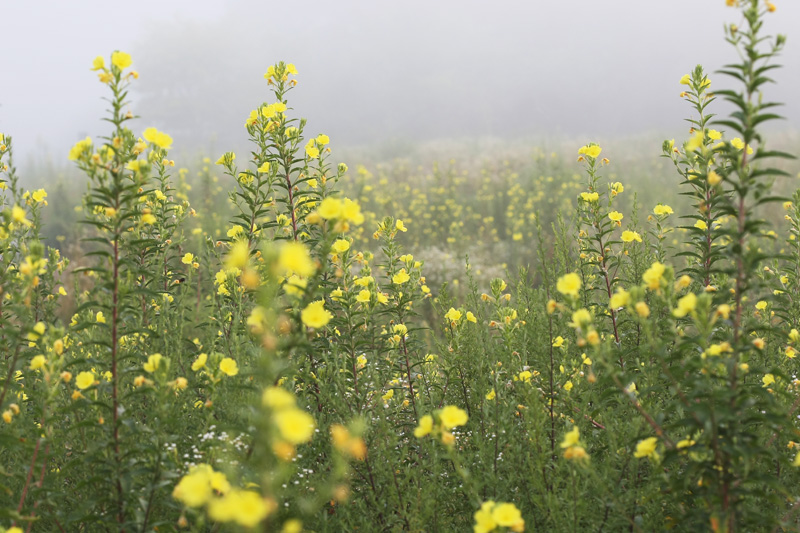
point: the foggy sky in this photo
(372, 71)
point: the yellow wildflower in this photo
(315, 316)
(569, 284)
(452, 416)
(646, 448)
(229, 367)
(121, 60)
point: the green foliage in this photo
(280, 371)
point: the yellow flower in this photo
(425, 426)
(84, 380)
(351, 212)
(322, 140)
(187, 259)
(277, 398)
(121, 60)
(652, 276)
(576, 453)
(697, 141)
(295, 426)
(507, 515)
(314, 315)
(591, 150)
(18, 215)
(38, 362)
(363, 296)
(714, 178)
(761, 305)
(330, 208)
(700, 224)
(340, 246)
(311, 149)
(662, 210)
(80, 149)
(686, 305)
(646, 448)
(471, 317)
(630, 236)
(621, 298)
(98, 64)
(194, 489)
(100, 317)
(572, 437)
(452, 416)
(768, 380)
(569, 284)
(153, 363)
(292, 526)
(401, 277)
(738, 143)
(590, 197)
(558, 342)
(229, 367)
(295, 257)
(686, 79)
(616, 216)
(491, 395)
(400, 226)
(388, 396)
(453, 315)
(39, 196)
(484, 521)
(200, 362)
(159, 138)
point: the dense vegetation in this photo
(279, 359)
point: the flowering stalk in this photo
(603, 223)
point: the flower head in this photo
(315, 315)
(121, 60)
(452, 416)
(646, 448)
(229, 367)
(569, 284)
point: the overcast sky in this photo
(372, 71)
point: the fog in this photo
(372, 72)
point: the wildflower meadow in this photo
(272, 341)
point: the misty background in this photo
(372, 73)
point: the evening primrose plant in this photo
(304, 359)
